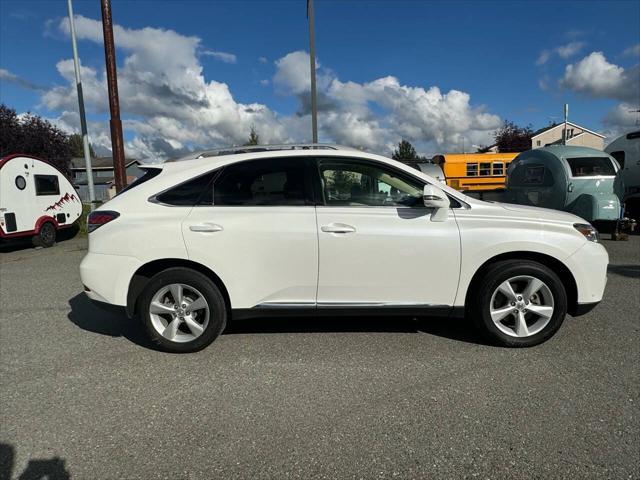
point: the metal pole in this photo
(312, 61)
(83, 120)
(117, 143)
(566, 116)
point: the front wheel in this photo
(182, 310)
(520, 303)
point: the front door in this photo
(257, 232)
(378, 244)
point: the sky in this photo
(199, 74)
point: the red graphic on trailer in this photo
(66, 198)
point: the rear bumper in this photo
(106, 277)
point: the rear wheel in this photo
(520, 303)
(182, 310)
(46, 237)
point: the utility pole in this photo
(312, 62)
(83, 120)
(566, 116)
(117, 143)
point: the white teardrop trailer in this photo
(36, 200)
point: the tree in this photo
(35, 136)
(406, 153)
(512, 138)
(254, 138)
(77, 149)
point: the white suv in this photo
(327, 230)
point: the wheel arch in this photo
(553, 263)
(143, 274)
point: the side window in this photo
(485, 169)
(498, 168)
(197, 191)
(354, 183)
(534, 175)
(47, 185)
(269, 182)
(619, 156)
(472, 169)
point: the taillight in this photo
(100, 217)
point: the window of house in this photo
(538, 143)
(47, 185)
(619, 156)
(498, 168)
(355, 183)
(534, 174)
(485, 169)
(472, 169)
(591, 166)
(273, 182)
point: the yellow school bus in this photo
(475, 171)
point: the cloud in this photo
(222, 56)
(594, 76)
(445, 120)
(632, 51)
(169, 107)
(563, 51)
(7, 76)
(262, 59)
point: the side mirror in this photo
(435, 198)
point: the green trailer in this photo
(578, 180)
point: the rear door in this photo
(378, 245)
(256, 229)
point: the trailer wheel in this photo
(46, 237)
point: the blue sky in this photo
(509, 60)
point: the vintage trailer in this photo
(36, 200)
(626, 150)
(475, 171)
(579, 180)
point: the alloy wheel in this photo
(179, 312)
(521, 306)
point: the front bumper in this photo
(583, 309)
(107, 277)
(589, 268)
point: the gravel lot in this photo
(83, 396)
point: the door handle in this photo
(337, 228)
(206, 227)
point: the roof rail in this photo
(268, 148)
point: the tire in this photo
(543, 312)
(46, 237)
(173, 327)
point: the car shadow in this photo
(631, 271)
(52, 469)
(450, 328)
(106, 320)
(114, 323)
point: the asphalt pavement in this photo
(82, 394)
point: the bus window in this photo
(485, 169)
(498, 168)
(472, 169)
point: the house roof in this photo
(105, 163)
(556, 125)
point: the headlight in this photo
(588, 231)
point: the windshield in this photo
(591, 166)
